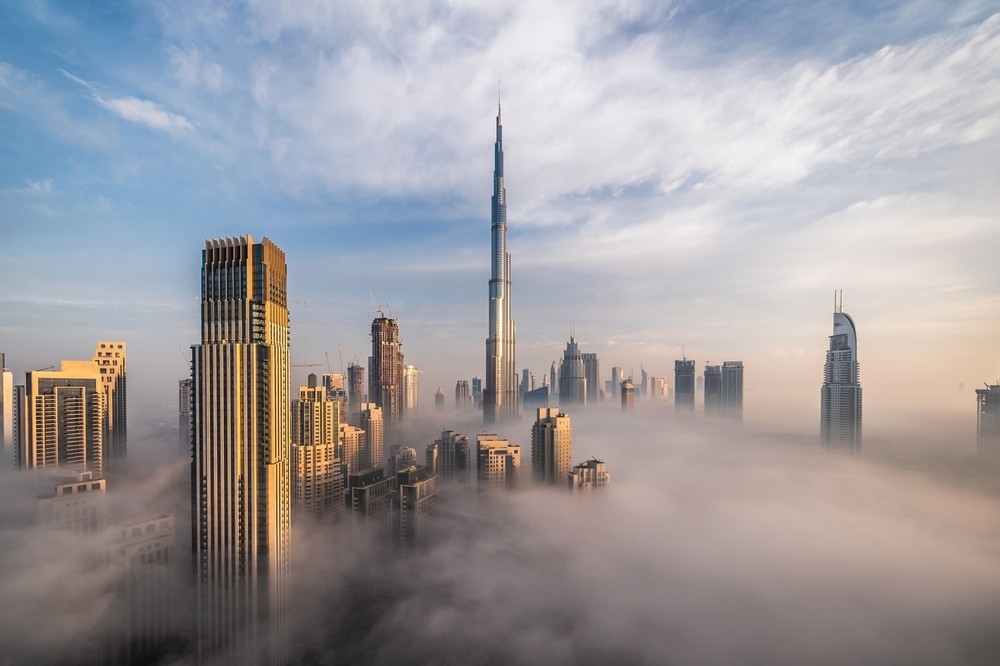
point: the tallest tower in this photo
(500, 389)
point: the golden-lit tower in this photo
(500, 388)
(241, 422)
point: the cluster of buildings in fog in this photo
(331, 453)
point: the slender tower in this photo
(840, 397)
(241, 445)
(500, 389)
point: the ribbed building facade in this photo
(732, 390)
(318, 474)
(500, 388)
(241, 423)
(551, 446)
(498, 463)
(684, 384)
(385, 374)
(572, 379)
(840, 396)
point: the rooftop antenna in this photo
(683, 353)
(378, 309)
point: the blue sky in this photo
(697, 174)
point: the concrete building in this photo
(8, 443)
(318, 473)
(78, 503)
(414, 501)
(353, 448)
(144, 566)
(369, 501)
(109, 357)
(659, 389)
(551, 446)
(498, 463)
(400, 457)
(448, 457)
(589, 476)
(411, 388)
(732, 390)
(840, 396)
(713, 390)
(385, 374)
(537, 398)
(572, 381)
(241, 468)
(684, 384)
(372, 422)
(355, 388)
(988, 420)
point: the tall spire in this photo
(500, 389)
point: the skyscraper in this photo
(572, 381)
(385, 373)
(988, 419)
(110, 360)
(551, 446)
(413, 506)
(500, 390)
(241, 486)
(732, 390)
(713, 390)
(589, 476)
(411, 388)
(462, 396)
(592, 376)
(7, 441)
(684, 384)
(628, 395)
(373, 423)
(184, 415)
(498, 463)
(449, 456)
(355, 388)
(840, 397)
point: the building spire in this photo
(499, 89)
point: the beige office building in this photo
(498, 463)
(317, 476)
(590, 475)
(551, 446)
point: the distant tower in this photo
(400, 457)
(477, 392)
(352, 445)
(553, 380)
(572, 381)
(628, 395)
(439, 399)
(241, 466)
(684, 384)
(551, 446)
(463, 399)
(7, 441)
(589, 476)
(500, 391)
(184, 414)
(732, 390)
(498, 463)
(592, 375)
(988, 419)
(840, 397)
(644, 387)
(713, 390)
(385, 373)
(449, 457)
(318, 474)
(411, 387)
(355, 388)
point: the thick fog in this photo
(713, 545)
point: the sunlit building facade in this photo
(589, 476)
(572, 380)
(385, 374)
(551, 446)
(241, 477)
(498, 463)
(317, 470)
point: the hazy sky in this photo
(690, 173)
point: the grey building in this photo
(988, 419)
(840, 396)
(684, 384)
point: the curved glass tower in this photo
(500, 389)
(840, 401)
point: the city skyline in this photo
(767, 155)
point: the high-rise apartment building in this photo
(8, 443)
(373, 423)
(713, 390)
(840, 396)
(353, 448)
(369, 501)
(400, 457)
(411, 388)
(318, 473)
(78, 503)
(988, 419)
(551, 446)
(241, 485)
(592, 375)
(448, 457)
(617, 377)
(589, 476)
(498, 463)
(355, 388)
(64, 419)
(413, 505)
(385, 373)
(572, 381)
(109, 357)
(684, 384)
(500, 391)
(732, 390)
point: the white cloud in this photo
(146, 113)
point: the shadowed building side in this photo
(840, 396)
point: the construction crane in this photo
(340, 350)
(307, 365)
(378, 308)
